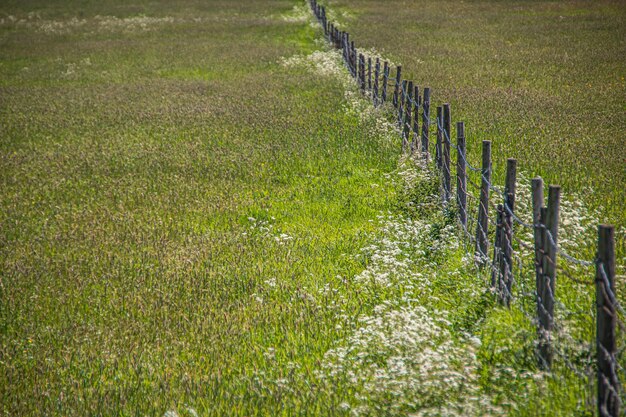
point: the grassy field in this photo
(544, 80)
(199, 215)
(159, 168)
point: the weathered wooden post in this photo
(537, 195)
(539, 215)
(425, 122)
(447, 188)
(544, 355)
(416, 127)
(353, 59)
(369, 73)
(507, 230)
(606, 349)
(496, 270)
(549, 261)
(439, 135)
(385, 81)
(482, 242)
(376, 77)
(406, 124)
(401, 103)
(361, 76)
(461, 175)
(397, 86)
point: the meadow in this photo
(544, 81)
(202, 216)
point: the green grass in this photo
(186, 222)
(544, 80)
(129, 266)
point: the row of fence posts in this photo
(407, 101)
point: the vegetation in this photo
(544, 80)
(201, 216)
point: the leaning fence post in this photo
(416, 127)
(606, 350)
(425, 122)
(461, 176)
(482, 242)
(447, 188)
(406, 124)
(386, 81)
(397, 86)
(439, 134)
(507, 231)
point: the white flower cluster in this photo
(403, 360)
(393, 258)
(326, 63)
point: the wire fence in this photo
(525, 256)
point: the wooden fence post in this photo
(376, 77)
(549, 260)
(537, 193)
(539, 216)
(369, 73)
(447, 183)
(397, 86)
(461, 175)
(386, 81)
(482, 242)
(416, 127)
(425, 122)
(401, 103)
(606, 349)
(406, 124)
(496, 270)
(358, 72)
(439, 134)
(544, 355)
(507, 231)
(361, 76)
(353, 59)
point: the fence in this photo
(509, 250)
